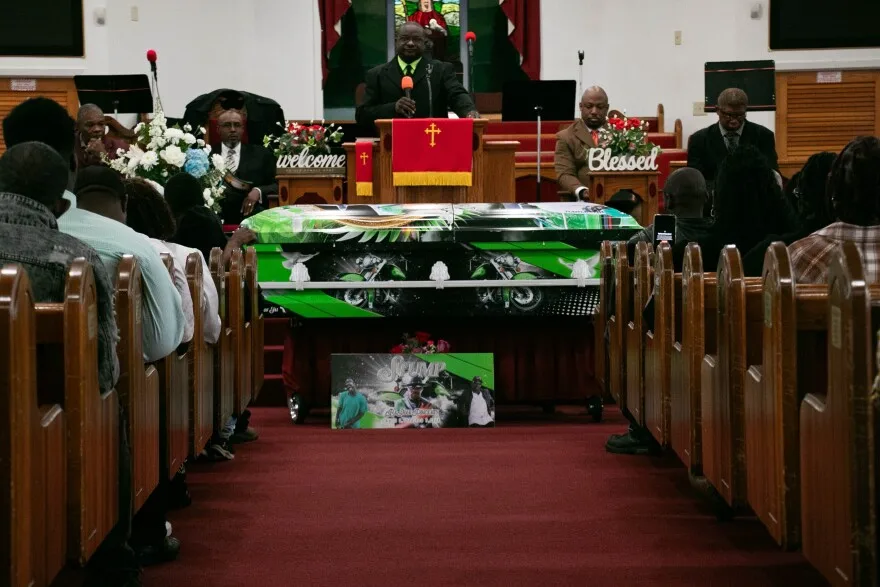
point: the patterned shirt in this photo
(29, 236)
(811, 256)
(163, 322)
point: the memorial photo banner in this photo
(448, 390)
(432, 152)
(363, 152)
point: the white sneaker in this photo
(167, 529)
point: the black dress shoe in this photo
(629, 444)
(164, 552)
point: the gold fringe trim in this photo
(365, 188)
(444, 178)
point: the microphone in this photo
(151, 57)
(406, 84)
(580, 57)
(470, 38)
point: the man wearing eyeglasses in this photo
(708, 147)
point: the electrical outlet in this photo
(698, 109)
(134, 14)
(678, 37)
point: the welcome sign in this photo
(452, 390)
(305, 159)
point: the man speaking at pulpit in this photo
(435, 87)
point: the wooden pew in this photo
(241, 331)
(658, 344)
(257, 322)
(174, 395)
(606, 273)
(623, 286)
(201, 365)
(738, 332)
(67, 351)
(224, 350)
(699, 304)
(635, 333)
(138, 385)
(32, 489)
(793, 363)
(839, 432)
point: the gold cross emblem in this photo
(433, 131)
(364, 158)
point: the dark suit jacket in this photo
(707, 149)
(383, 91)
(570, 159)
(256, 166)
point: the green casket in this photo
(370, 261)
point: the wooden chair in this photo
(792, 364)
(241, 329)
(839, 436)
(174, 393)
(606, 274)
(658, 345)
(138, 383)
(201, 364)
(67, 351)
(635, 334)
(224, 350)
(33, 480)
(257, 322)
(696, 339)
(623, 286)
(739, 319)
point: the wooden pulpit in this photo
(493, 173)
(604, 184)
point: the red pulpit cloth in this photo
(432, 151)
(363, 154)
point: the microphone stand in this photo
(471, 68)
(580, 73)
(157, 99)
(539, 109)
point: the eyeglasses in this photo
(732, 115)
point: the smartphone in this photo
(664, 229)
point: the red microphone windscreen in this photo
(406, 83)
(470, 36)
(151, 56)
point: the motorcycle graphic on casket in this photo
(371, 268)
(507, 266)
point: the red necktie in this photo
(595, 135)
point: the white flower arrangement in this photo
(160, 152)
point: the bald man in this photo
(572, 173)
(91, 138)
(708, 147)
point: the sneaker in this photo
(217, 452)
(165, 552)
(247, 435)
(167, 529)
(629, 444)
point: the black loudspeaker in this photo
(755, 78)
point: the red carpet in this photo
(537, 502)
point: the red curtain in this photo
(331, 12)
(525, 32)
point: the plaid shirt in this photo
(811, 256)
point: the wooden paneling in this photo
(813, 117)
(15, 90)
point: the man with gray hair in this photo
(708, 147)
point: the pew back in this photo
(257, 324)
(606, 272)
(68, 357)
(635, 381)
(201, 363)
(138, 384)
(224, 350)
(658, 346)
(623, 286)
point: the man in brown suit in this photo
(572, 173)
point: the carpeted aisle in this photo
(536, 502)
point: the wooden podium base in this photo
(314, 187)
(604, 184)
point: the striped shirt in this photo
(811, 256)
(163, 322)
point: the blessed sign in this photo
(306, 160)
(601, 160)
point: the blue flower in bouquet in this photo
(196, 163)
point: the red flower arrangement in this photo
(297, 137)
(625, 136)
(420, 343)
